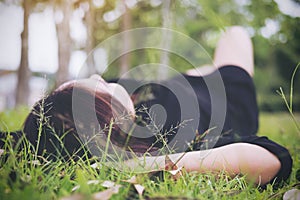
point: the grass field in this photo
(22, 177)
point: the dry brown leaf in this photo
(167, 198)
(95, 182)
(75, 188)
(139, 188)
(106, 194)
(173, 169)
(108, 184)
(177, 173)
(1, 152)
(152, 172)
(95, 165)
(293, 194)
(35, 162)
(103, 195)
(169, 164)
(74, 197)
(132, 180)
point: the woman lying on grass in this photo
(56, 133)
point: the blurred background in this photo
(44, 43)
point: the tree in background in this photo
(126, 24)
(276, 55)
(90, 22)
(64, 40)
(167, 19)
(22, 89)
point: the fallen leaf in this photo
(152, 172)
(26, 178)
(108, 184)
(106, 194)
(35, 162)
(96, 166)
(139, 188)
(172, 168)
(167, 198)
(95, 182)
(74, 197)
(1, 152)
(177, 173)
(293, 194)
(75, 188)
(169, 164)
(132, 180)
(103, 195)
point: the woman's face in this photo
(98, 84)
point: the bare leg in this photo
(233, 48)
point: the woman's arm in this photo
(257, 163)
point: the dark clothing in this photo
(221, 107)
(238, 100)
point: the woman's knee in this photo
(235, 48)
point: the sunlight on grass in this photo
(280, 128)
(12, 120)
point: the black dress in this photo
(196, 113)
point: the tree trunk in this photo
(64, 43)
(166, 39)
(126, 25)
(90, 42)
(22, 90)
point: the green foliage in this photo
(23, 177)
(9, 123)
(289, 104)
(204, 21)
